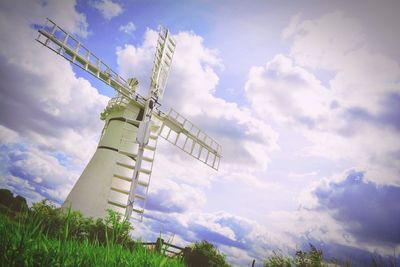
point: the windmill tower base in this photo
(92, 193)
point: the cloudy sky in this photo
(303, 96)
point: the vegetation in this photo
(25, 244)
(57, 224)
(44, 236)
(313, 258)
(203, 254)
(11, 204)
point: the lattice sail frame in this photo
(162, 62)
(55, 38)
(180, 132)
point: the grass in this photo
(26, 242)
(44, 236)
(314, 258)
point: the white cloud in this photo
(170, 161)
(302, 175)
(337, 42)
(324, 42)
(46, 101)
(246, 141)
(287, 93)
(20, 187)
(136, 61)
(237, 256)
(168, 196)
(366, 150)
(7, 135)
(37, 172)
(344, 122)
(128, 28)
(347, 121)
(108, 8)
(63, 12)
(345, 220)
(43, 120)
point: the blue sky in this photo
(304, 98)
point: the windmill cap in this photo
(133, 82)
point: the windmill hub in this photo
(133, 84)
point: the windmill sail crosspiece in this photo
(118, 175)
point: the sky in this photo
(303, 96)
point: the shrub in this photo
(13, 204)
(279, 260)
(6, 197)
(204, 254)
(312, 258)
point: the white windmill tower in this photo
(118, 175)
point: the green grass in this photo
(24, 242)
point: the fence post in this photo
(185, 252)
(159, 244)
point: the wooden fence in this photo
(171, 250)
(166, 248)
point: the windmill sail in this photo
(162, 62)
(182, 133)
(55, 38)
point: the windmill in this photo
(118, 175)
